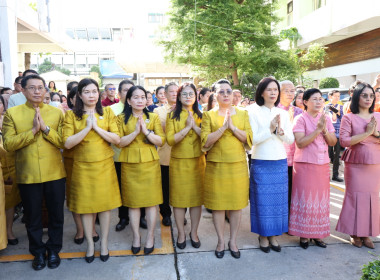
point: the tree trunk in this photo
(235, 77)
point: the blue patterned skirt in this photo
(268, 194)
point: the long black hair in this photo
(78, 106)
(128, 108)
(263, 84)
(178, 106)
(354, 106)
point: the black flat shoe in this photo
(135, 250)
(105, 258)
(143, 223)
(39, 262)
(264, 249)
(219, 254)
(320, 243)
(337, 179)
(13, 241)
(304, 245)
(95, 238)
(78, 240)
(185, 222)
(122, 224)
(147, 251)
(53, 259)
(195, 244)
(181, 245)
(89, 259)
(235, 254)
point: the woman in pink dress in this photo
(310, 202)
(359, 131)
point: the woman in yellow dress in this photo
(94, 188)
(225, 134)
(12, 198)
(187, 162)
(140, 132)
(68, 160)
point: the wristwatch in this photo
(47, 130)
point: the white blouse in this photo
(267, 145)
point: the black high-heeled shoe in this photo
(275, 248)
(136, 250)
(304, 245)
(89, 259)
(219, 254)
(264, 249)
(320, 243)
(235, 254)
(96, 238)
(13, 241)
(147, 251)
(194, 243)
(105, 258)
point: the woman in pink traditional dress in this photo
(310, 203)
(359, 131)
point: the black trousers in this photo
(165, 209)
(335, 153)
(290, 182)
(32, 197)
(124, 210)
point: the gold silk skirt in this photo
(141, 184)
(94, 187)
(186, 178)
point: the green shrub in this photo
(371, 271)
(329, 82)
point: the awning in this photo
(111, 70)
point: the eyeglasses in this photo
(187, 94)
(34, 89)
(365, 95)
(222, 92)
(111, 88)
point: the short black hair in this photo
(125, 82)
(204, 91)
(331, 93)
(29, 71)
(354, 106)
(25, 80)
(55, 93)
(71, 85)
(4, 90)
(263, 84)
(18, 79)
(308, 93)
(71, 95)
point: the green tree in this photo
(329, 82)
(48, 66)
(225, 39)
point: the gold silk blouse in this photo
(228, 148)
(138, 150)
(93, 147)
(190, 145)
(38, 157)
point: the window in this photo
(318, 4)
(290, 13)
(93, 34)
(116, 34)
(81, 34)
(155, 18)
(105, 33)
(70, 33)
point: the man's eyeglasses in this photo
(111, 88)
(34, 89)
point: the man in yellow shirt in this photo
(34, 132)
(164, 151)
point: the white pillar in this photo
(8, 40)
